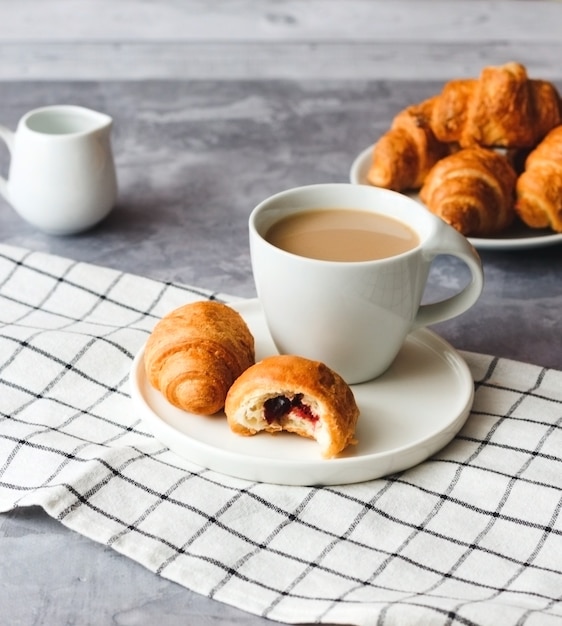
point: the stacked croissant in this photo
(201, 357)
(481, 152)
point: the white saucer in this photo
(517, 237)
(407, 414)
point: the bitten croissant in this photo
(196, 352)
(294, 394)
(403, 156)
(539, 188)
(502, 108)
(473, 191)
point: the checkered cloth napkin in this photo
(471, 536)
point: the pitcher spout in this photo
(103, 120)
(85, 120)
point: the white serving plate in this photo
(516, 237)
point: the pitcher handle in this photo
(7, 137)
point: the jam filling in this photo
(279, 406)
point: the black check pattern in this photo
(471, 536)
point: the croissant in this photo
(403, 156)
(538, 190)
(473, 191)
(450, 110)
(196, 352)
(502, 108)
(294, 394)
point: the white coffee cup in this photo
(353, 316)
(62, 176)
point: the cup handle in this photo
(449, 241)
(7, 137)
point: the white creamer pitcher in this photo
(62, 175)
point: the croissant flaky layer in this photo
(294, 394)
(472, 190)
(196, 352)
(501, 108)
(404, 155)
(539, 188)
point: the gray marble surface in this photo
(193, 158)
